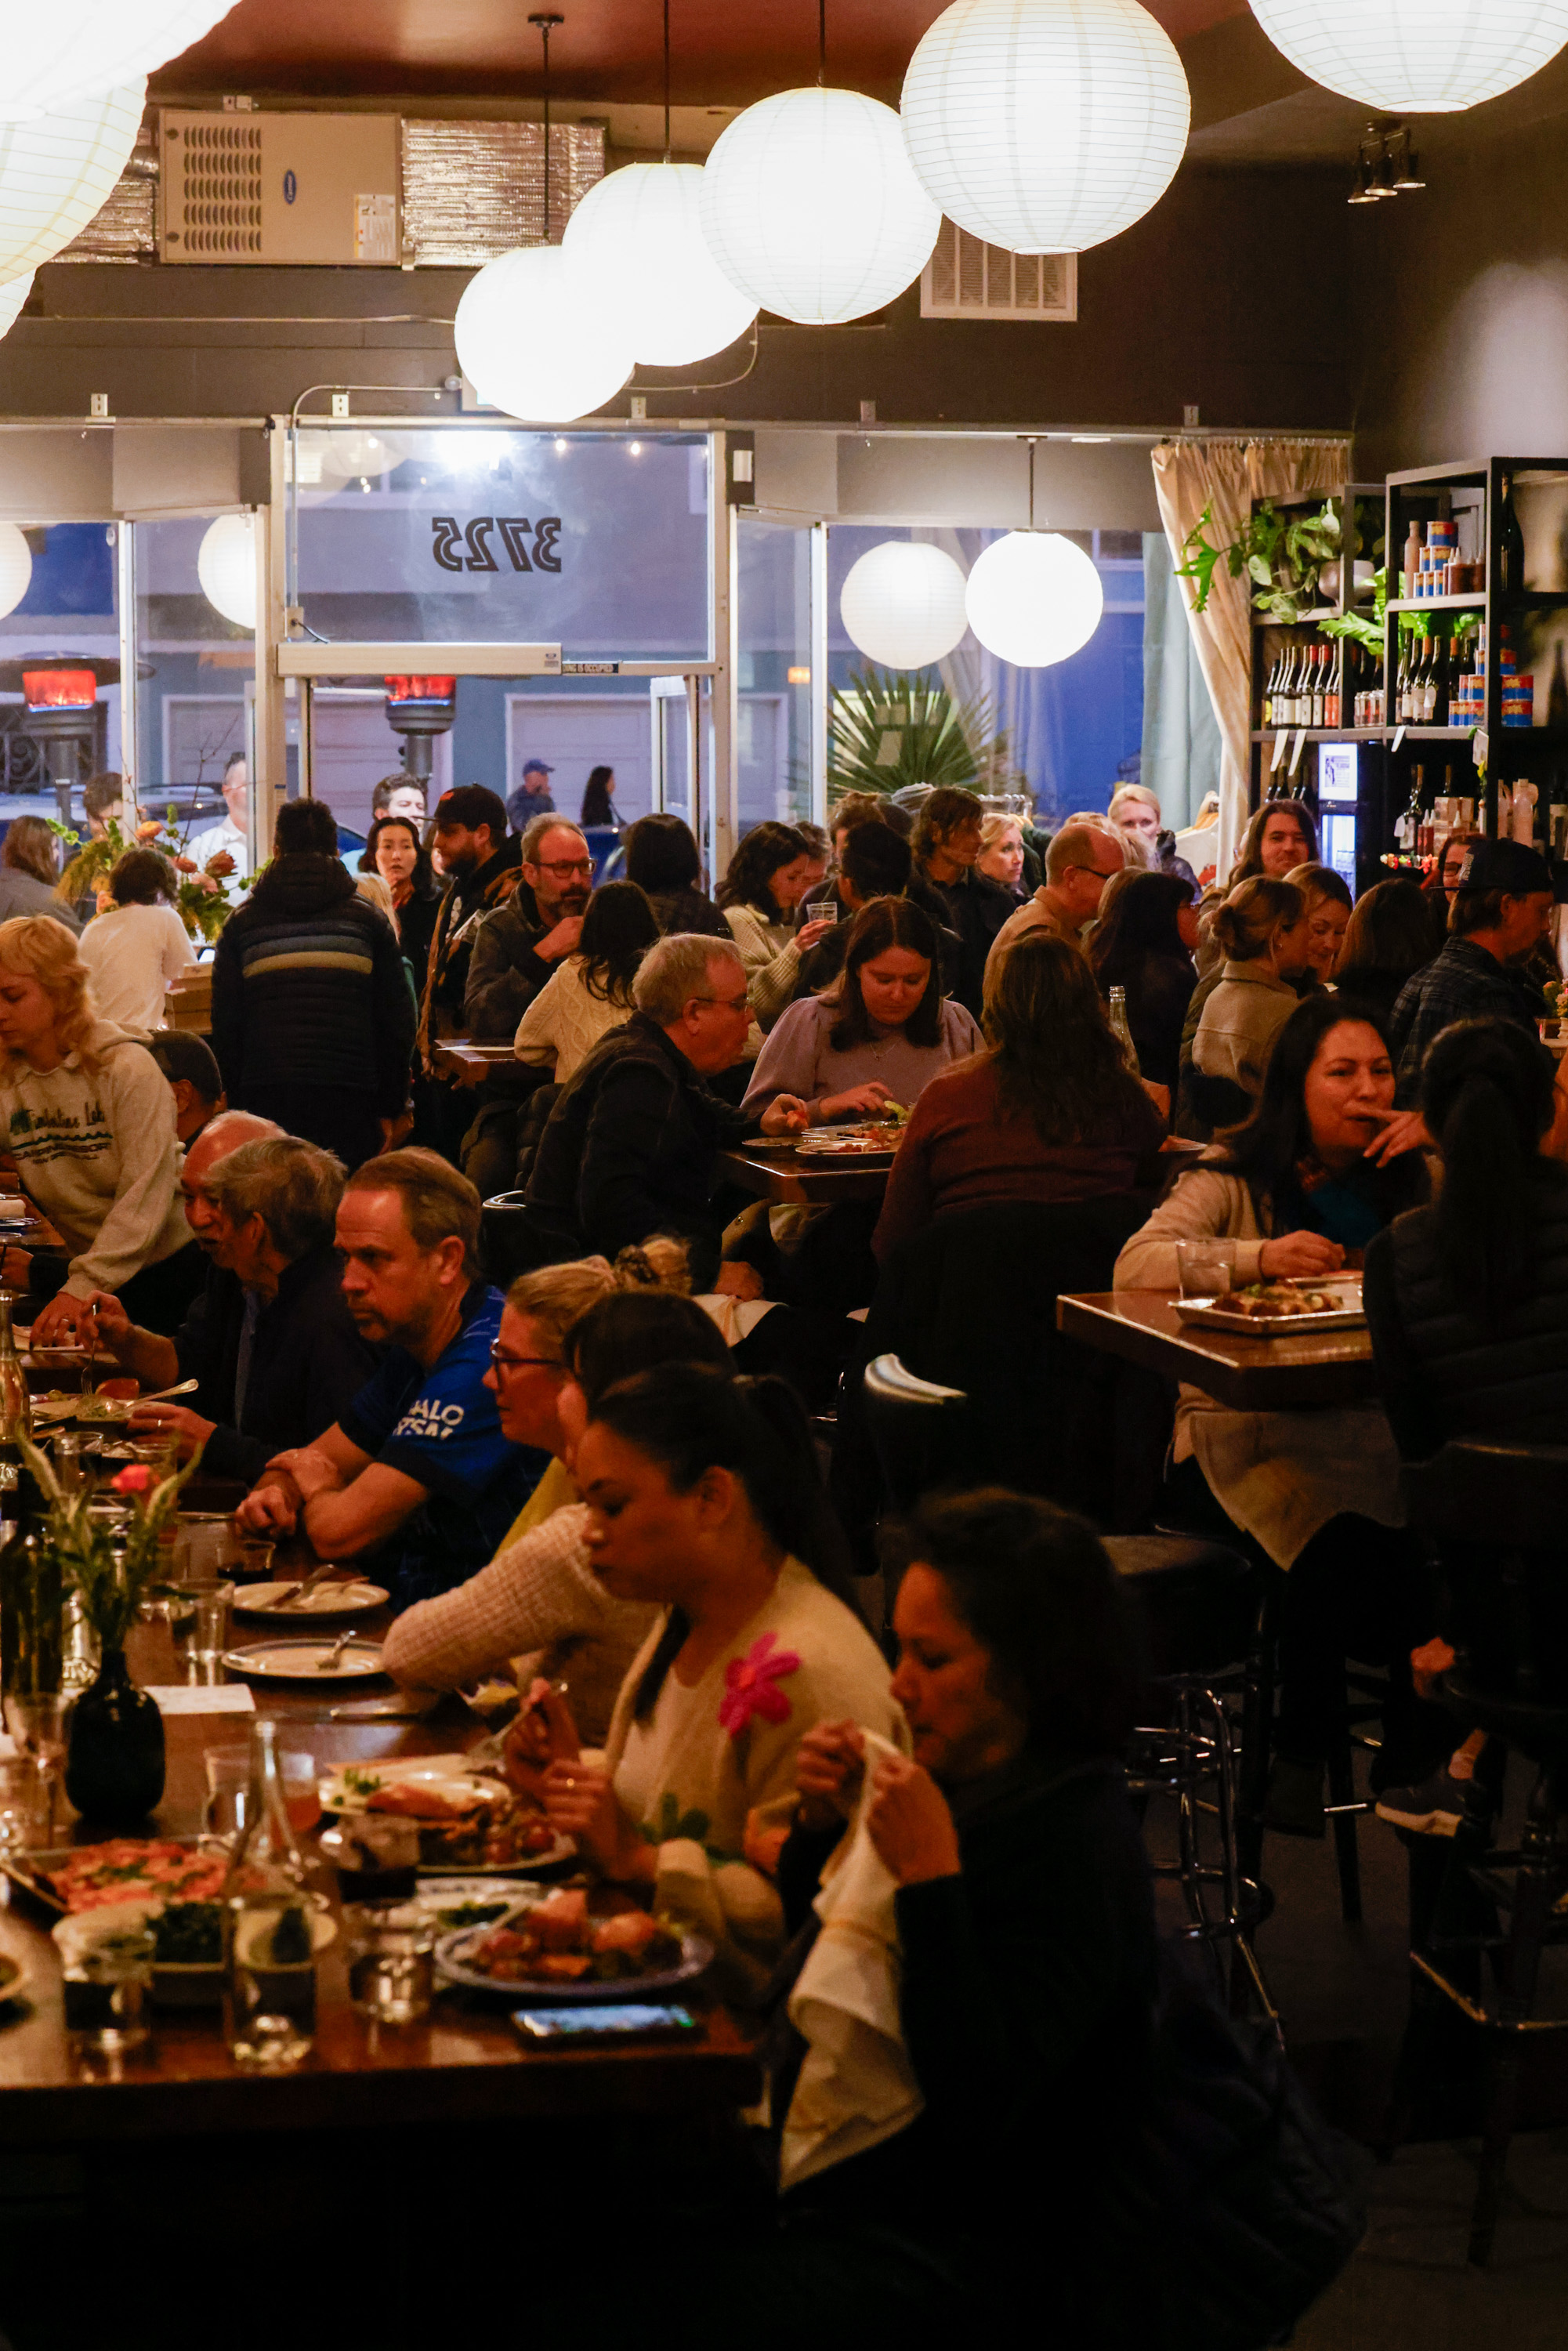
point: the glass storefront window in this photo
(493, 534)
(66, 625)
(194, 711)
(773, 749)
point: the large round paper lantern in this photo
(1034, 597)
(1045, 125)
(72, 50)
(902, 604)
(533, 338)
(225, 566)
(15, 566)
(11, 296)
(1416, 57)
(809, 206)
(637, 238)
(56, 173)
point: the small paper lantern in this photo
(533, 338)
(56, 173)
(809, 206)
(637, 239)
(15, 566)
(75, 49)
(1416, 57)
(1045, 125)
(11, 298)
(225, 566)
(1034, 597)
(902, 604)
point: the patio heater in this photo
(419, 709)
(60, 693)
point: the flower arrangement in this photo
(201, 899)
(111, 1575)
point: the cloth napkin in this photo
(856, 2086)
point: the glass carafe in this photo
(269, 1974)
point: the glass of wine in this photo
(302, 1792)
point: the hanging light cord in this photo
(546, 23)
(821, 43)
(666, 80)
(1031, 450)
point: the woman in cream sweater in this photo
(1262, 931)
(768, 875)
(704, 1497)
(590, 992)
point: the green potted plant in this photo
(889, 728)
(114, 1764)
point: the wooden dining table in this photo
(779, 1172)
(465, 2064)
(468, 1063)
(1249, 1375)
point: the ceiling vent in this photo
(279, 189)
(967, 278)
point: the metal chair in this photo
(1497, 1514)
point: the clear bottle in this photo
(1117, 1017)
(269, 1955)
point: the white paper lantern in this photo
(225, 566)
(809, 206)
(11, 296)
(1416, 57)
(1034, 597)
(533, 340)
(56, 173)
(74, 49)
(15, 566)
(1045, 125)
(902, 604)
(637, 238)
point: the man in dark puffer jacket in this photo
(312, 1018)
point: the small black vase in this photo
(114, 1764)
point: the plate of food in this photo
(69, 1879)
(466, 1820)
(1280, 1310)
(557, 1948)
(848, 1143)
(187, 1942)
(346, 1597)
(455, 1903)
(307, 1661)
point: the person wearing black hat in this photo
(1501, 913)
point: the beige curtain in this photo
(1227, 476)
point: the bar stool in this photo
(1197, 1604)
(1497, 1515)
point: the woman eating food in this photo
(705, 1499)
(760, 896)
(1323, 1165)
(590, 991)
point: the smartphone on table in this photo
(621, 2020)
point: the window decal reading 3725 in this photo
(468, 546)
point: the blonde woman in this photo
(1001, 854)
(90, 1125)
(1262, 933)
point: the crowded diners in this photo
(785, 1120)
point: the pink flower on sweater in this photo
(751, 1685)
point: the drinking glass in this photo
(207, 1629)
(228, 1778)
(40, 1723)
(206, 1547)
(392, 1962)
(69, 1467)
(106, 1987)
(1207, 1268)
(19, 1801)
(302, 1792)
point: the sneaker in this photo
(1294, 1803)
(1435, 1808)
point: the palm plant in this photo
(888, 728)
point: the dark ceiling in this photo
(724, 51)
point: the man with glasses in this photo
(517, 947)
(1080, 862)
(632, 1147)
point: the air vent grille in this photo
(213, 189)
(967, 278)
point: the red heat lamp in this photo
(62, 719)
(419, 709)
(60, 689)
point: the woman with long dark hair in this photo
(1144, 943)
(394, 850)
(589, 992)
(1325, 1162)
(1050, 1112)
(663, 859)
(1280, 836)
(879, 1034)
(705, 1498)
(768, 875)
(1390, 936)
(599, 799)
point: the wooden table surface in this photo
(466, 2062)
(470, 1064)
(1249, 1375)
(777, 1172)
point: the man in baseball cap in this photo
(1501, 913)
(532, 796)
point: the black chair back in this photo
(913, 1425)
(1498, 1517)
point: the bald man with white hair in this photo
(269, 1342)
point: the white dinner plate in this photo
(349, 1787)
(451, 1950)
(350, 1598)
(1347, 1313)
(306, 1661)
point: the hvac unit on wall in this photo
(280, 188)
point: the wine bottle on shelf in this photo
(1431, 669)
(1402, 712)
(1333, 699)
(1509, 541)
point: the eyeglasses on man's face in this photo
(563, 868)
(727, 1003)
